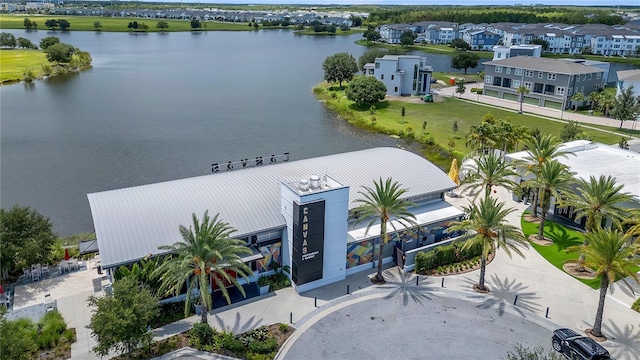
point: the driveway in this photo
(409, 322)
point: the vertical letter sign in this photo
(308, 242)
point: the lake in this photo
(159, 107)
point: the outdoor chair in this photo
(35, 275)
(49, 303)
(26, 272)
(5, 299)
(64, 266)
(73, 263)
(45, 269)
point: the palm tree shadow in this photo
(239, 326)
(402, 284)
(503, 293)
(624, 342)
(561, 238)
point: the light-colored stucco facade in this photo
(402, 74)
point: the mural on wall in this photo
(359, 253)
(274, 255)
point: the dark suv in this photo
(575, 346)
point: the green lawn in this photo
(85, 23)
(439, 117)
(338, 32)
(13, 63)
(427, 48)
(562, 237)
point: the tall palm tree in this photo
(521, 91)
(597, 200)
(613, 255)
(605, 102)
(206, 252)
(553, 179)
(542, 149)
(490, 169)
(488, 220)
(384, 203)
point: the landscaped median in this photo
(441, 126)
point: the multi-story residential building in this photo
(550, 82)
(627, 79)
(505, 52)
(480, 39)
(391, 33)
(402, 74)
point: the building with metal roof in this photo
(263, 203)
(587, 159)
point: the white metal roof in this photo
(594, 159)
(132, 222)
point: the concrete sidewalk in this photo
(549, 113)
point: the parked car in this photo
(575, 346)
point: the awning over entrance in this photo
(255, 255)
(425, 215)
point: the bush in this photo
(636, 305)
(470, 252)
(264, 347)
(52, 327)
(445, 254)
(426, 261)
(253, 356)
(283, 327)
(203, 333)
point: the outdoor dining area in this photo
(38, 271)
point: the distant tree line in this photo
(411, 14)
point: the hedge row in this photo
(445, 255)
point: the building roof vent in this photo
(303, 185)
(314, 181)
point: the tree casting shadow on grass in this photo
(562, 239)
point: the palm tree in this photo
(488, 220)
(542, 149)
(577, 97)
(480, 135)
(521, 91)
(206, 252)
(553, 179)
(384, 203)
(605, 101)
(612, 255)
(598, 200)
(633, 221)
(490, 170)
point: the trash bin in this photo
(452, 81)
(99, 267)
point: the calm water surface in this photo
(160, 107)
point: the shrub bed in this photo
(442, 258)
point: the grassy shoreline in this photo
(439, 117)
(85, 23)
(13, 64)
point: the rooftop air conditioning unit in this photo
(314, 182)
(303, 185)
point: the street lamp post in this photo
(477, 93)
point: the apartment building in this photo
(480, 39)
(550, 82)
(402, 74)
